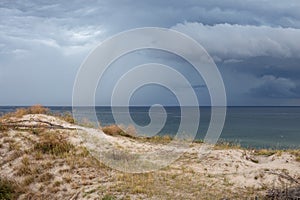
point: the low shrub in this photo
(37, 109)
(20, 112)
(53, 143)
(113, 130)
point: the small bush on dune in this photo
(37, 109)
(20, 112)
(115, 130)
(54, 144)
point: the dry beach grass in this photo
(47, 157)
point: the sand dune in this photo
(48, 158)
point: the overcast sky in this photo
(255, 44)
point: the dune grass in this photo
(296, 153)
(37, 109)
(55, 144)
(9, 190)
(20, 112)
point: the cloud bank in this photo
(255, 44)
(228, 41)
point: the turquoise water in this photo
(257, 127)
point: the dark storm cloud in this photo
(275, 87)
(264, 65)
(255, 43)
(254, 12)
(264, 60)
(64, 24)
(269, 77)
(228, 41)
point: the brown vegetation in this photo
(52, 143)
(9, 189)
(115, 130)
(296, 153)
(20, 112)
(67, 116)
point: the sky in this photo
(255, 45)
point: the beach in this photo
(45, 157)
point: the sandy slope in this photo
(228, 172)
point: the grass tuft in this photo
(20, 112)
(157, 139)
(108, 197)
(3, 128)
(296, 153)
(46, 177)
(53, 143)
(265, 152)
(223, 145)
(8, 189)
(37, 109)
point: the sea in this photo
(250, 127)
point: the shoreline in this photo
(257, 134)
